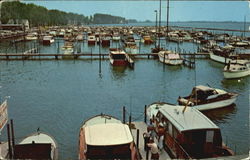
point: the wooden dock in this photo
(142, 127)
(46, 56)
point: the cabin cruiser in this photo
(37, 146)
(188, 134)
(236, 70)
(47, 40)
(91, 40)
(68, 50)
(106, 137)
(170, 57)
(118, 57)
(206, 98)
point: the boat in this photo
(91, 40)
(118, 57)
(170, 57)
(116, 37)
(105, 41)
(47, 40)
(68, 50)
(106, 137)
(31, 36)
(236, 70)
(188, 134)
(147, 40)
(37, 146)
(207, 98)
(79, 37)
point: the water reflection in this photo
(236, 83)
(221, 115)
(118, 72)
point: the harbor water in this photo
(57, 96)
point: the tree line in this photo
(41, 16)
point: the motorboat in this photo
(207, 98)
(170, 57)
(106, 137)
(236, 70)
(47, 40)
(188, 134)
(38, 145)
(118, 57)
(91, 40)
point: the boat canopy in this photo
(191, 119)
(108, 134)
(204, 88)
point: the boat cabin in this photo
(190, 134)
(104, 137)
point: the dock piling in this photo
(123, 114)
(9, 141)
(137, 137)
(145, 114)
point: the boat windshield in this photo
(118, 56)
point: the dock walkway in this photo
(142, 127)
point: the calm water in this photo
(58, 96)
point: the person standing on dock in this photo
(154, 150)
(146, 137)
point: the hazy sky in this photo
(144, 10)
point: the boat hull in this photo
(91, 42)
(219, 59)
(118, 62)
(239, 74)
(216, 105)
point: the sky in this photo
(144, 10)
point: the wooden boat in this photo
(91, 40)
(170, 58)
(105, 137)
(118, 57)
(236, 70)
(207, 98)
(36, 146)
(105, 41)
(188, 134)
(147, 40)
(47, 40)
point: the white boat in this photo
(170, 58)
(68, 50)
(188, 134)
(236, 70)
(105, 137)
(31, 36)
(116, 37)
(207, 98)
(47, 40)
(36, 146)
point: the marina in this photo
(103, 86)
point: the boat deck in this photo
(142, 129)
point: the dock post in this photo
(123, 114)
(137, 138)
(9, 142)
(147, 154)
(145, 114)
(130, 121)
(13, 135)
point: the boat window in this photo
(209, 136)
(170, 129)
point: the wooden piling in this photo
(145, 114)
(137, 137)
(9, 141)
(13, 135)
(123, 114)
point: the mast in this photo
(159, 26)
(167, 16)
